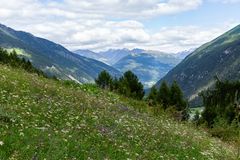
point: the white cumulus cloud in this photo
(103, 24)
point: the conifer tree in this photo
(222, 101)
(152, 97)
(104, 80)
(176, 97)
(177, 100)
(130, 85)
(115, 84)
(12, 59)
(163, 95)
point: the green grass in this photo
(47, 119)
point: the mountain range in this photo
(219, 58)
(83, 66)
(148, 65)
(53, 58)
(93, 55)
(110, 56)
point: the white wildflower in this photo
(1, 143)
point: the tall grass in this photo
(45, 119)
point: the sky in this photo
(165, 25)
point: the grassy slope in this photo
(46, 119)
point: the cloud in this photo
(226, 1)
(174, 39)
(173, 7)
(103, 24)
(130, 8)
(96, 8)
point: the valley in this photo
(119, 80)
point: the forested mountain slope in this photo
(220, 57)
(52, 58)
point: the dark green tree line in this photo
(169, 97)
(128, 85)
(222, 102)
(12, 59)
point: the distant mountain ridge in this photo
(184, 54)
(52, 58)
(90, 54)
(220, 57)
(114, 55)
(110, 56)
(148, 67)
